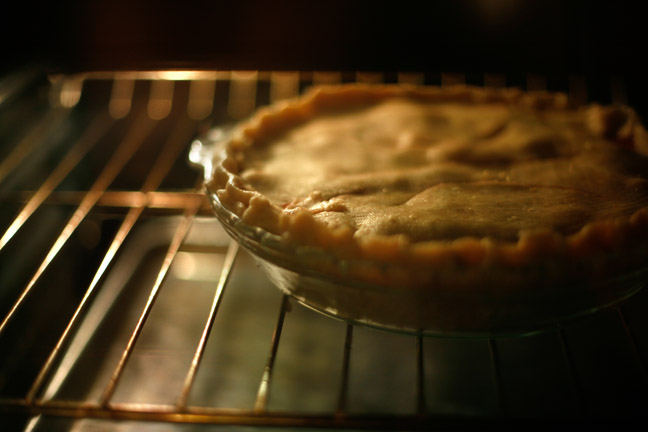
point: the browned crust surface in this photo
(299, 224)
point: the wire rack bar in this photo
(161, 167)
(137, 134)
(206, 415)
(178, 238)
(91, 136)
(283, 85)
(157, 200)
(160, 99)
(201, 98)
(497, 375)
(232, 252)
(263, 394)
(420, 376)
(121, 97)
(242, 94)
(124, 229)
(346, 359)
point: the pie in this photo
(454, 188)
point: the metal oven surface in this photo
(125, 306)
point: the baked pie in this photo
(440, 209)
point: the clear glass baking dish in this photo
(459, 300)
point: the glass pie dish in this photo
(450, 297)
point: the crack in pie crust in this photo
(463, 188)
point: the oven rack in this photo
(90, 160)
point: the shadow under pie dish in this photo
(454, 210)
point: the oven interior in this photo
(125, 302)
(125, 306)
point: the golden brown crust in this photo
(297, 224)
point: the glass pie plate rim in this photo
(304, 273)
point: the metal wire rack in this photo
(123, 302)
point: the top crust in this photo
(428, 175)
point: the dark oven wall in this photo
(475, 35)
(552, 37)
